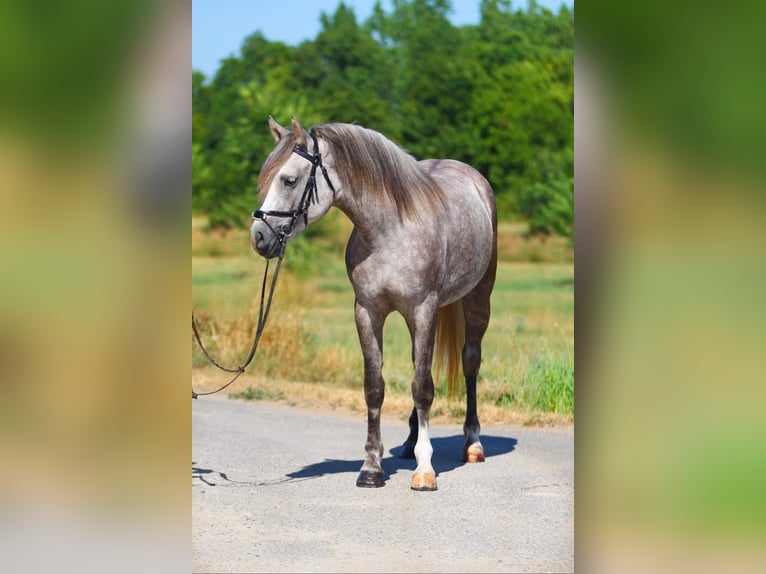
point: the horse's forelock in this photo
(274, 162)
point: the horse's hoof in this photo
(369, 479)
(474, 453)
(423, 481)
(408, 450)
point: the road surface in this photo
(273, 490)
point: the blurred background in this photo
(94, 204)
(669, 233)
(94, 200)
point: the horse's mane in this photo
(367, 161)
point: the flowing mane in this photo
(368, 162)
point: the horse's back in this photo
(463, 185)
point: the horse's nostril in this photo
(258, 237)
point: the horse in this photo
(424, 244)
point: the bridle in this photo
(285, 231)
(309, 195)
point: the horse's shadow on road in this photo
(446, 457)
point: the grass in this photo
(549, 383)
(309, 354)
(515, 245)
(258, 394)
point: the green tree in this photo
(355, 72)
(523, 106)
(548, 201)
(433, 79)
(498, 95)
(231, 135)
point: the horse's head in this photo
(295, 187)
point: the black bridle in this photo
(310, 195)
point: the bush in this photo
(550, 208)
(548, 204)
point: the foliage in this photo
(549, 384)
(548, 202)
(310, 346)
(498, 95)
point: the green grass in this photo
(258, 394)
(549, 384)
(527, 364)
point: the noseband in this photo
(310, 195)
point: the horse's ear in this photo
(301, 136)
(276, 130)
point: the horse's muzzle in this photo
(264, 240)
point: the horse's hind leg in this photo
(476, 311)
(408, 448)
(370, 328)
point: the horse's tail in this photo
(450, 337)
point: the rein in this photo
(263, 314)
(285, 231)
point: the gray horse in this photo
(424, 244)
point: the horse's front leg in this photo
(423, 335)
(370, 327)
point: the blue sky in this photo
(219, 26)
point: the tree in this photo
(433, 78)
(498, 95)
(548, 201)
(523, 106)
(355, 71)
(200, 107)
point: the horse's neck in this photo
(372, 222)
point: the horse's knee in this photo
(374, 395)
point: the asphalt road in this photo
(273, 490)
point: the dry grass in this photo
(350, 400)
(515, 245)
(217, 242)
(285, 350)
(309, 354)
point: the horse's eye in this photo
(289, 181)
